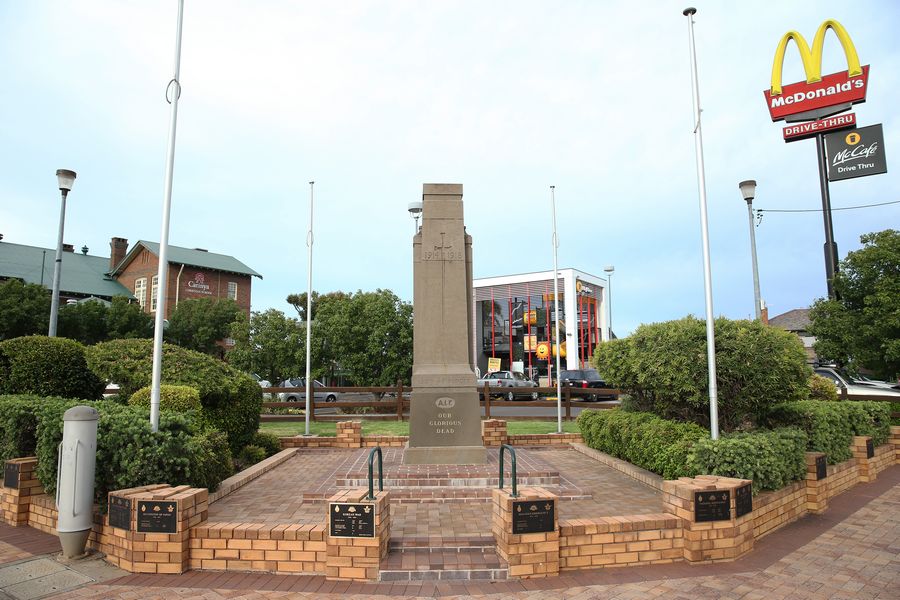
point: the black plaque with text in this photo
(157, 516)
(712, 506)
(11, 475)
(120, 513)
(351, 520)
(821, 468)
(743, 500)
(533, 516)
(870, 448)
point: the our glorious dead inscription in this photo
(445, 416)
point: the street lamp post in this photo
(609, 270)
(65, 178)
(555, 315)
(748, 191)
(415, 211)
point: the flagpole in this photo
(309, 244)
(556, 314)
(704, 229)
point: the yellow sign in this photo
(812, 59)
(493, 365)
(530, 343)
(543, 350)
(530, 317)
(578, 286)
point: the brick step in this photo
(443, 564)
(431, 541)
(445, 495)
(455, 482)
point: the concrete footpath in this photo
(851, 552)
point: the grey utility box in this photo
(75, 479)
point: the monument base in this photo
(445, 455)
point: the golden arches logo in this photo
(812, 58)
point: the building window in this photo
(153, 289)
(232, 290)
(140, 290)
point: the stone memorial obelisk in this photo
(445, 415)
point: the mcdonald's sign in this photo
(818, 91)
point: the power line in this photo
(803, 210)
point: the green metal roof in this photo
(192, 258)
(81, 274)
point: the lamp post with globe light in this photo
(748, 191)
(65, 179)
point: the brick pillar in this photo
(860, 448)
(529, 555)
(895, 440)
(358, 558)
(16, 501)
(493, 433)
(816, 483)
(138, 551)
(716, 540)
(349, 434)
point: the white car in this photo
(300, 394)
(856, 387)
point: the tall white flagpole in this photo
(309, 244)
(556, 314)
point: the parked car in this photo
(509, 379)
(300, 394)
(856, 387)
(584, 379)
(263, 383)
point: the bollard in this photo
(75, 479)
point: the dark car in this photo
(584, 379)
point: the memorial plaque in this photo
(712, 506)
(157, 516)
(821, 468)
(533, 516)
(351, 520)
(120, 512)
(870, 448)
(743, 500)
(11, 475)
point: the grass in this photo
(402, 428)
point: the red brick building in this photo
(193, 273)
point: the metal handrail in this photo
(371, 495)
(512, 454)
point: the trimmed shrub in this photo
(771, 458)
(230, 400)
(177, 398)
(663, 367)
(18, 425)
(47, 366)
(249, 456)
(267, 441)
(643, 439)
(822, 388)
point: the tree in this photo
(197, 324)
(85, 322)
(369, 334)
(269, 344)
(126, 319)
(24, 309)
(862, 328)
(298, 301)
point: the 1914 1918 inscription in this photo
(351, 520)
(870, 448)
(821, 467)
(743, 500)
(712, 506)
(533, 516)
(11, 475)
(157, 517)
(120, 512)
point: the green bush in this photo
(177, 398)
(830, 426)
(47, 366)
(643, 439)
(270, 442)
(231, 400)
(211, 459)
(822, 388)
(18, 425)
(249, 456)
(895, 409)
(771, 458)
(663, 367)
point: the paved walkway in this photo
(851, 552)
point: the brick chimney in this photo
(68, 248)
(118, 249)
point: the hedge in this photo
(128, 453)
(830, 426)
(177, 398)
(771, 458)
(662, 366)
(231, 400)
(47, 366)
(643, 439)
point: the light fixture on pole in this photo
(415, 211)
(748, 191)
(309, 244)
(609, 270)
(162, 277)
(66, 179)
(556, 314)
(704, 233)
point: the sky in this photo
(373, 99)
